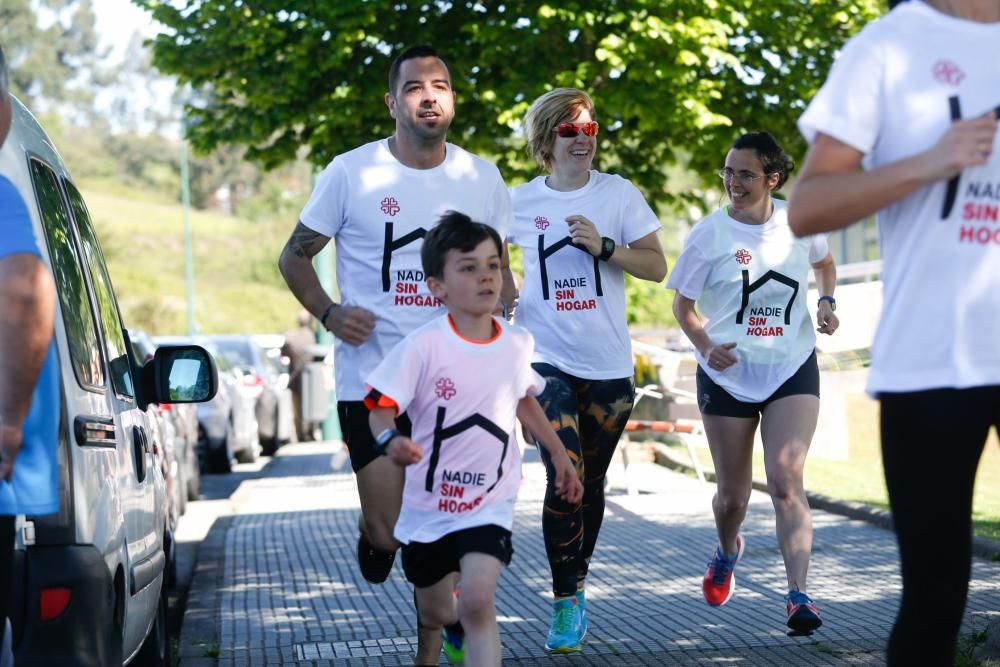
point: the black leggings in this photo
(589, 417)
(931, 445)
(6, 569)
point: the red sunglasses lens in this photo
(569, 130)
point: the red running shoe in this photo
(719, 582)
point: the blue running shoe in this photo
(453, 643)
(803, 615)
(564, 631)
(581, 602)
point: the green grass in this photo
(237, 286)
(860, 477)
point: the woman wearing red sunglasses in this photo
(580, 231)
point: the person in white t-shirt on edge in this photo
(378, 201)
(581, 231)
(755, 347)
(913, 99)
(462, 378)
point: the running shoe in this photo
(453, 643)
(375, 565)
(803, 615)
(564, 631)
(581, 602)
(719, 581)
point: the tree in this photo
(672, 80)
(57, 64)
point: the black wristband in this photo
(383, 439)
(607, 248)
(326, 314)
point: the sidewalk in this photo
(277, 582)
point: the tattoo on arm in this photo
(301, 241)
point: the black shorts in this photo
(714, 400)
(357, 433)
(426, 563)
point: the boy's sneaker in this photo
(564, 631)
(453, 643)
(719, 582)
(375, 565)
(803, 615)
(581, 603)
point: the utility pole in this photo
(188, 255)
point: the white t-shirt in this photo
(750, 284)
(891, 95)
(461, 397)
(378, 212)
(571, 302)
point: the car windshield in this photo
(238, 353)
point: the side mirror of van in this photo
(180, 374)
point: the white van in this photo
(89, 584)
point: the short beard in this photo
(429, 136)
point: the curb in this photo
(981, 546)
(199, 641)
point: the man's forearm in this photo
(295, 264)
(27, 304)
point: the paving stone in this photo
(289, 593)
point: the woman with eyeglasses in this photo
(913, 99)
(580, 231)
(755, 345)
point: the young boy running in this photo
(462, 378)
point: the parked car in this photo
(89, 580)
(265, 382)
(183, 421)
(227, 425)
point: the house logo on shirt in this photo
(945, 71)
(445, 388)
(390, 206)
(762, 319)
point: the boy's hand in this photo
(403, 451)
(568, 486)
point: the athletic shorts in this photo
(714, 400)
(426, 563)
(357, 433)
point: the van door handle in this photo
(140, 447)
(94, 431)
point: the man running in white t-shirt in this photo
(378, 201)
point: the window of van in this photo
(114, 340)
(81, 330)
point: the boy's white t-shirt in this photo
(461, 397)
(570, 301)
(892, 94)
(750, 283)
(378, 211)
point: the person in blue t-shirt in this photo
(29, 390)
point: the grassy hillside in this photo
(237, 287)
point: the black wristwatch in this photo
(607, 249)
(383, 439)
(833, 302)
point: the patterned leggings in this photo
(589, 417)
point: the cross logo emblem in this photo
(542, 223)
(743, 256)
(390, 206)
(445, 389)
(948, 72)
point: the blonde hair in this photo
(546, 112)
